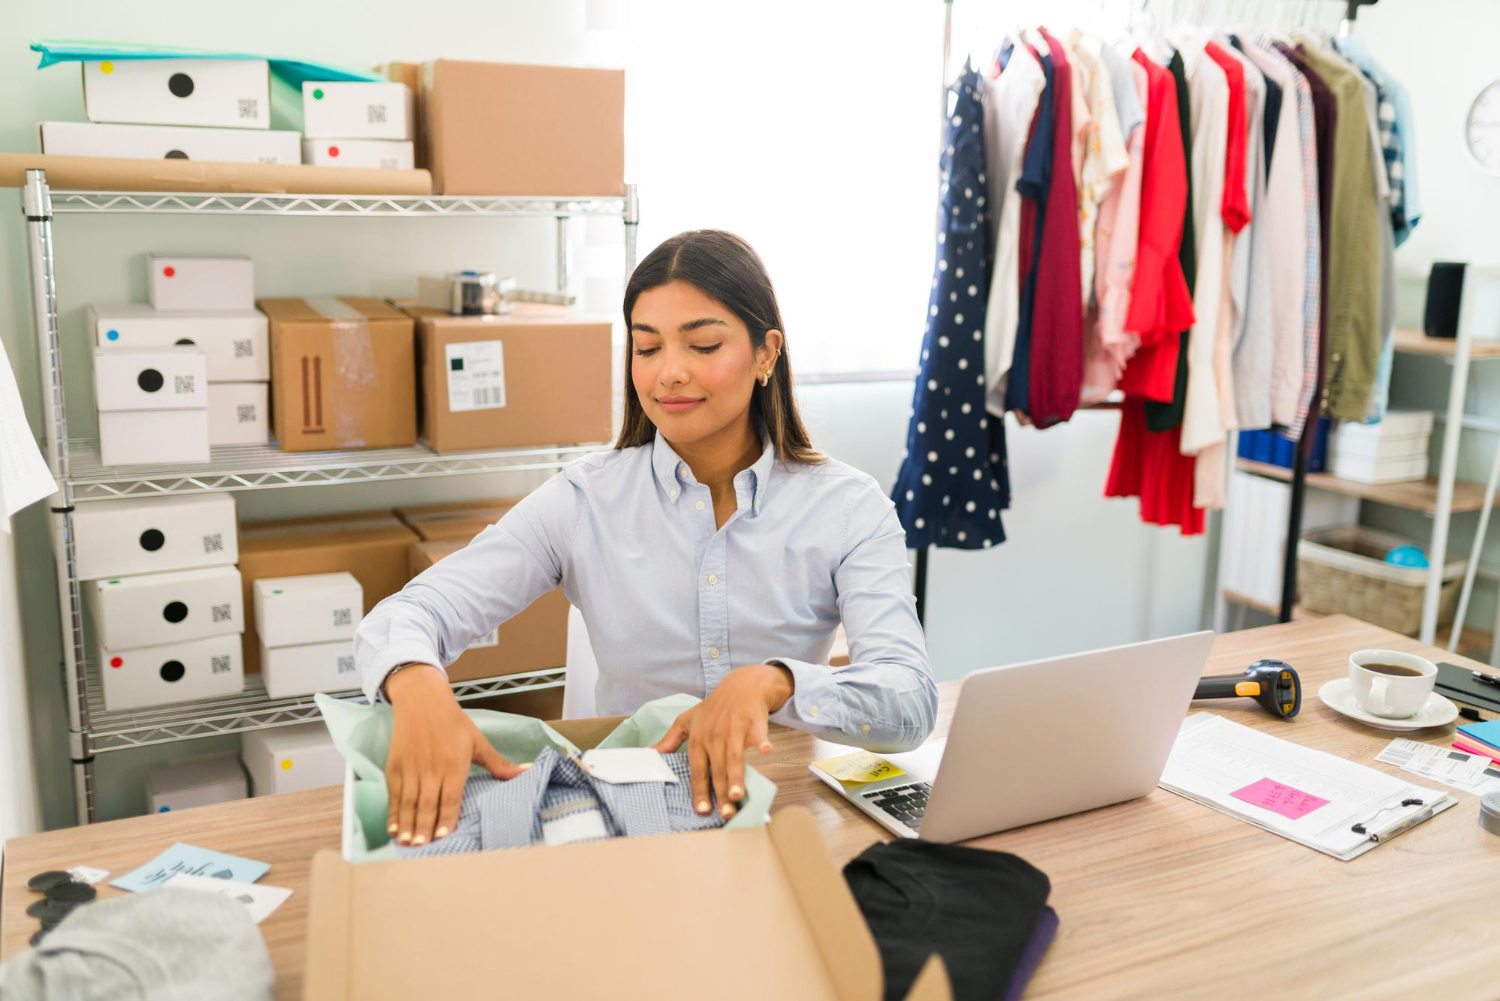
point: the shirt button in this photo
(699, 505)
(713, 578)
(672, 493)
(1335, 357)
(714, 653)
(812, 710)
(865, 728)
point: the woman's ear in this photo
(769, 352)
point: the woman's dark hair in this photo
(724, 267)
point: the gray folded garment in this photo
(165, 945)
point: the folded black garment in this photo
(977, 909)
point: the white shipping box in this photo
(201, 782)
(308, 608)
(171, 142)
(190, 282)
(170, 378)
(172, 672)
(238, 413)
(380, 154)
(153, 437)
(289, 671)
(1365, 469)
(291, 758)
(235, 344)
(149, 609)
(233, 93)
(1403, 446)
(357, 110)
(151, 534)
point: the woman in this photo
(713, 551)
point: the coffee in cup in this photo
(1390, 683)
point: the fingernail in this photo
(420, 839)
(526, 766)
(442, 832)
(390, 829)
(735, 792)
(405, 838)
(726, 810)
(703, 806)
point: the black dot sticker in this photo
(175, 154)
(152, 539)
(175, 611)
(150, 380)
(185, 340)
(172, 670)
(180, 84)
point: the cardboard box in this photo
(199, 782)
(289, 671)
(534, 639)
(382, 154)
(148, 609)
(370, 545)
(231, 93)
(343, 373)
(171, 142)
(490, 381)
(239, 413)
(154, 437)
(512, 129)
(308, 608)
(171, 672)
(358, 110)
(236, 345)
(775, 886)
(458, 520)
(170, 378)
(152, 534)
(186, 282)
(410, 74)
(291, 758)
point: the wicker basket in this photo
(1343, 569)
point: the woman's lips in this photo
(677, 404)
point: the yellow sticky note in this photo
(861, 766)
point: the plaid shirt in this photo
(1395, 136)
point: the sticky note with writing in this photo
(1293, 804)
(193, 860)
(861, 766)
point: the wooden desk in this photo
(1158, 897)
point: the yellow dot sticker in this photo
(106, 67)
(286, 764)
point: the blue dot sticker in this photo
(163, 809)
(113, 335)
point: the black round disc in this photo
(150, 380)
(180, 84)
(71, 891)
(172, 670)
(45, 908)
(175, 611)
(175, 154)
(44, 881)
(37, 938)
(152, 539)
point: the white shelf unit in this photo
(83, 478)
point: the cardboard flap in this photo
(359, 307)
(329, 923)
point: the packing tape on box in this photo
(353, 361)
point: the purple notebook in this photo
(1036, 948)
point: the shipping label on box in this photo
(357, 110)
(231, 93)
(200, 283)
(291, 758)
(153, 437)
(308, 608)
(172, 378)
(149, 609)
(235, 344)
(151, 534)
(186, 784)
(171, 142)
(171, 672)
(476, 375)
(289, 671)
(379, 154)
(238, 413)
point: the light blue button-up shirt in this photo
(673, 604)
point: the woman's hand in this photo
(432, 747)
(717, 730)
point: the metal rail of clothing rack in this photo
(81, 477)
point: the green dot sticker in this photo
(114, 582)
(276, 591)
(318, 94)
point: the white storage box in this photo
(172, 672)
(151, 534)
(1389, 449)
(235, 344)
(380, 154)
(153, 437)
(199, 782)
(1362, 469)
(357, 110)
(211, 283)
(171, 378)
(171, 142)
(290, 758)
(289, 671)
(308, 608)
(149, 609)
(233, 93)
(238, 413)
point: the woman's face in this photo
(692, 363)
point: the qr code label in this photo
(219, 665)
(249, 107)
(244, 347)
(184, 384)
(377, 114)
(213, 543)
(221, 613)
(346, 665)
(244, 413)
(343, 616)
(388, 163)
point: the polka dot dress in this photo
(953, 482)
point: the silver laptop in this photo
(1030, 742)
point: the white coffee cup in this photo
(1393, 696)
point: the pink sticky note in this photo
(1292, 804)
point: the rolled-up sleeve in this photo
(885, 698)
(505, 568)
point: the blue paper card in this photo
(190, 859)
(1487, 732)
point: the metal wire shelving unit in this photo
(82, 478)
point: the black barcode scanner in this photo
(1272, 683)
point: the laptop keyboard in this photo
(905, 803)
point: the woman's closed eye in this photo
(705, 349)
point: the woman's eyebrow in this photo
(706, 321)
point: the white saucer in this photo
(1338, 695)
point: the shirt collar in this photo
(673, 473)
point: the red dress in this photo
(1236, 205)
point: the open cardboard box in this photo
(755, 913)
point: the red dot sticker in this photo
(169, 271)
(116, 662)
(333, 151)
